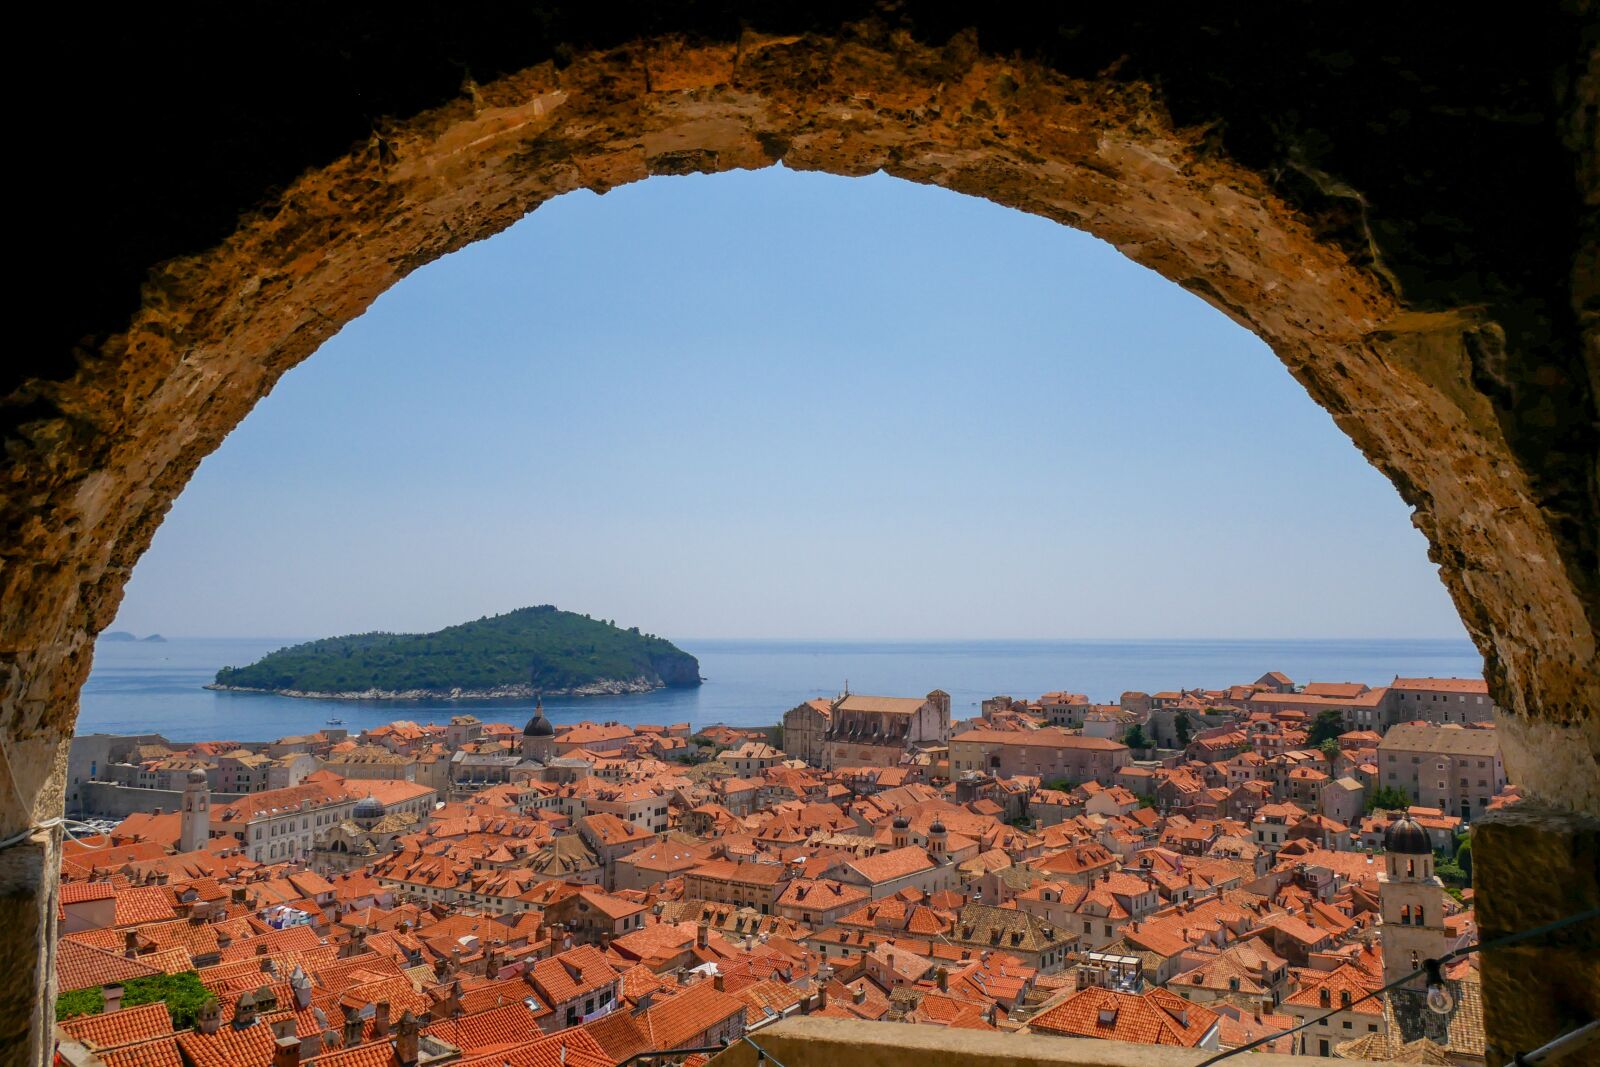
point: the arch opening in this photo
(1476, 400)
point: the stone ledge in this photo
(1531, 865)
(808, 1041)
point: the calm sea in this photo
(138, 687)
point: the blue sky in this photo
(775, 404)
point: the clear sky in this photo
(775, 404)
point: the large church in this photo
(869, 731)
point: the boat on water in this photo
(332, 721)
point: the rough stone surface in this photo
(1534, 865)
(1409, 218)
(802, 1040)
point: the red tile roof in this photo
(124, 1027)
(495, 1029)
(676, 1021)
(1154, 1018)
(79, 966)
(160, 1052)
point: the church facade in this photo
(875, 731)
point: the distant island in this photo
(123, 635)
(511, 656)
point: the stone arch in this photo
(1448, 344)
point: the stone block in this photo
(1533, 865)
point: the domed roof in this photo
(369, 808)
(1407, 837)
(197, 776)
(936, 827)
(901, 822)
(538, 726)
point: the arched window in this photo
(1411, 868)
(1418, 919)
(1323, 997)
(1405, 915)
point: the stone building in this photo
(1048, 754)
(804, 727)
(1439, 701)
(1066, 710)
(370, 761)
(881, 731)
(1453, 768)
(283, 824)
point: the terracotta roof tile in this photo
(124, 1027)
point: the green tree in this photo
(1449, 871)
(181, 993)
(1328, 725)
(1181, 727)
(1388, 798)
(1135, 737)
(1330, 748)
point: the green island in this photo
(511, 656)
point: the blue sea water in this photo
(150, 687)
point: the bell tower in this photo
(1411, 901)
(195, 825)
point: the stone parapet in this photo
(1532, 865)
(809, 1041)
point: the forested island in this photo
(511, 656)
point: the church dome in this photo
(197, 776)
(937, 827)
(538, 726)
(1408, 838)
(902, 823)
(368, 808)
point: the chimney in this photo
(859, 994)
(130, 944)
(301, 986)
(380, 1020)
(941, 978)
(405, 1040)
(113, 996)
(244, 1012)
(701, 934)
(718, 983)
(209, 1018)
(286, 1051)
(352, 1029)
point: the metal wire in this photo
(761, 1053)
(1428, 965)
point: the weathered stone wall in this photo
(112, 801)
(1408, 217)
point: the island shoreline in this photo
(521, 692)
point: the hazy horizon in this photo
(888, 639)
(784, 406)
